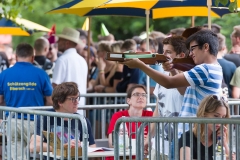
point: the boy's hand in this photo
(72, 144)
(133, 63)
(168, 66)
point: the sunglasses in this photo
(220, 98)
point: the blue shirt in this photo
(24, 85)
(204, 80)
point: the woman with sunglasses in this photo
(211, 107)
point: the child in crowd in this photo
(169, 100)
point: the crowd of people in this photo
(55, 73)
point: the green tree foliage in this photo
(12, 8)
(231, 4)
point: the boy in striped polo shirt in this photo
(204, 79)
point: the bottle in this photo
(123, 134)
(220, 150)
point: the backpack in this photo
(3, 64)
(47, 66)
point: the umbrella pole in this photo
(147, 43)
(147, 28)
(209, 4)
(88, 44)
(192, 21)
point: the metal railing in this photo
(102, 109)
(172, 143)
(24, 125)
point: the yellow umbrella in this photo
(143, 8)
(7, 26)
(78, 7)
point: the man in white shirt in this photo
(70, 67)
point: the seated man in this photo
(65, 98)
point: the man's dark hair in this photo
(178, 44)
(190, 31)
(202, 37)
(129, 44)
(129, 93)
(61, 92)
(24, 50)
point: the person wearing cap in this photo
(70, 66)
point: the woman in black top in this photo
(211, 107)
(109, 72)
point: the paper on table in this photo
(91, 149)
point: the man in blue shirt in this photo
(24, 85)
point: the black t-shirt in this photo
(228, 68)
(42, 62)
(233, 57)
(129, 76)
(90, 137)
(195, 148)
(117, 75)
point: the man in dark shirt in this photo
(228, 67)
(41, 48)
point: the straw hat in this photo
(70, 34)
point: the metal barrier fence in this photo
(164, 149)
(87, 107)
(24, 131)
(105, 111)
(102, 109)
(105, 104)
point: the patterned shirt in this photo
(204, 80)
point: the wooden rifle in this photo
(183, 64)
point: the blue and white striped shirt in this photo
(204, 80)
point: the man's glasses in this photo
(220, 98)
(73, 99)
(193, 47)
(144, 95)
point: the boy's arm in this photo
(166, 81)
(181, 90)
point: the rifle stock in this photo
(183, 64)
